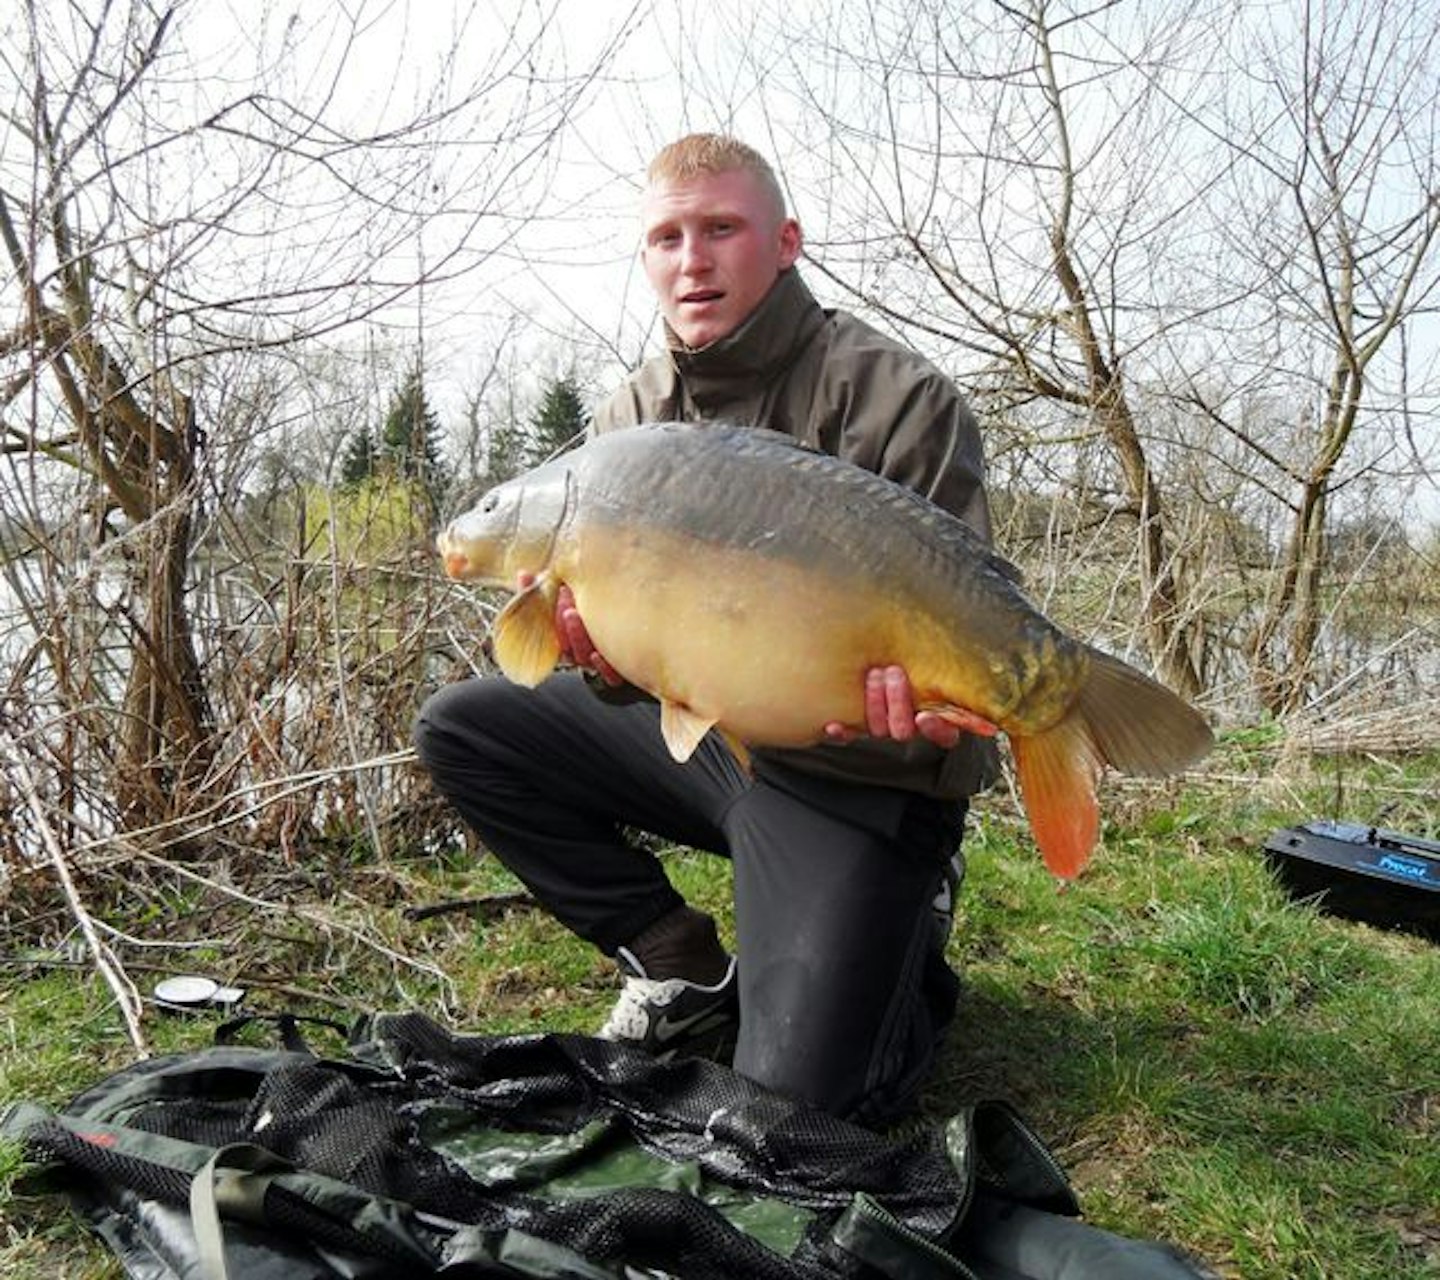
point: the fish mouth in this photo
(452, 555)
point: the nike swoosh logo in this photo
(705, 1020)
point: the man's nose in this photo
(694, 254)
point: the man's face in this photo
(713, 247)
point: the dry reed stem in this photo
(1410, 729)
(106, 962)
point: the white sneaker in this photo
(670, 1017)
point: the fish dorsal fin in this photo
(682, 728)
(525, 643)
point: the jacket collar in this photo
(764, 344)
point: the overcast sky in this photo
(669, 67)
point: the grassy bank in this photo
(1214, 1063)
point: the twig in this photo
(487, 908)
(184, 829)
(294, 992)
(124, 844)
(105, 962)
(342, 683)
(311, 917)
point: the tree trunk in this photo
(166, 739)
(1167, 632)
(1166, 628)
(145, 455)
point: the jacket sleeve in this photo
(901, 417)
(933, 446)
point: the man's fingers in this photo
(889, 707)
(575, 639)
(604, 670)
(572, 628)
(890, 712)
(899, 705)
(877, 711)
(937, 729)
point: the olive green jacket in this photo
(835, 383)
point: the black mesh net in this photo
(685, 1111)
(362, 1127)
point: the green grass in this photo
(1216, 1064)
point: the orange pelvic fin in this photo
(965, 720)
(1058, 772)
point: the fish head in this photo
(513, 529)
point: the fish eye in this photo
(489, 503)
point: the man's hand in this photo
(575, 643)
(890, 713)
(575, 639)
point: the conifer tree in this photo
(358, 464)
(557, 420)
(506, 453)
(409, 444)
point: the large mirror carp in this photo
(748, 582)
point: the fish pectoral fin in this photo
(525, 643)
(682, 728)
(1058, 772)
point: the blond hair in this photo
(700, 154)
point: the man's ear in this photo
(791, 241)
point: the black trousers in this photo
(843, 987)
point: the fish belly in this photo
(769, 649)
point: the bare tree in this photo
(1181, 255)
(1329, 221)
(182, 217)
(132, 427)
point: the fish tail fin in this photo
(1058, 771)
(1121, 718)
(1138, 725)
